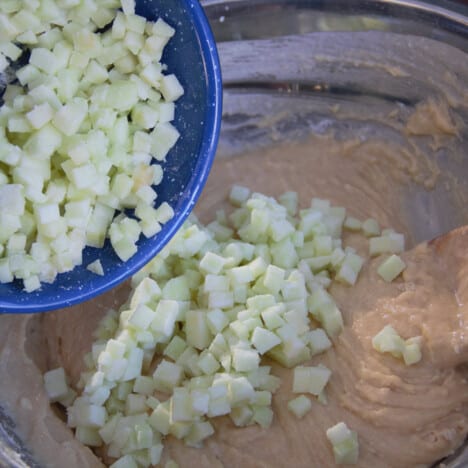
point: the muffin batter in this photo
(404, 416)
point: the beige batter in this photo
(404, 416)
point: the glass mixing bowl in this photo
(292, 68)
(342, 66)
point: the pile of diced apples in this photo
(79, 132)
(188, 345)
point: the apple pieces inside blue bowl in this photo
(108, 130)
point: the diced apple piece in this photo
(212, 263)
(55, 384)
(197, 330)
(141, 317)
(370, 227)
(44, 60)
(300, 406)
(165, 317)
(263, 416)
(167, 376)
(388, 341)
(160, 418)
(180, 406)
(318, 341)
(264, 340)
(245, 360)
(164, 137)
(69, 118)
(391, 268)
(170, 88)
(175, 348)
(345, 444)
(128, 7)
(352, 224)
(126, 461)
(310, 379)
(238, 195)
(40, 115)
(390, 243)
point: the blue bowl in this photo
(191, 55)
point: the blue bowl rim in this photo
(194, 188)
